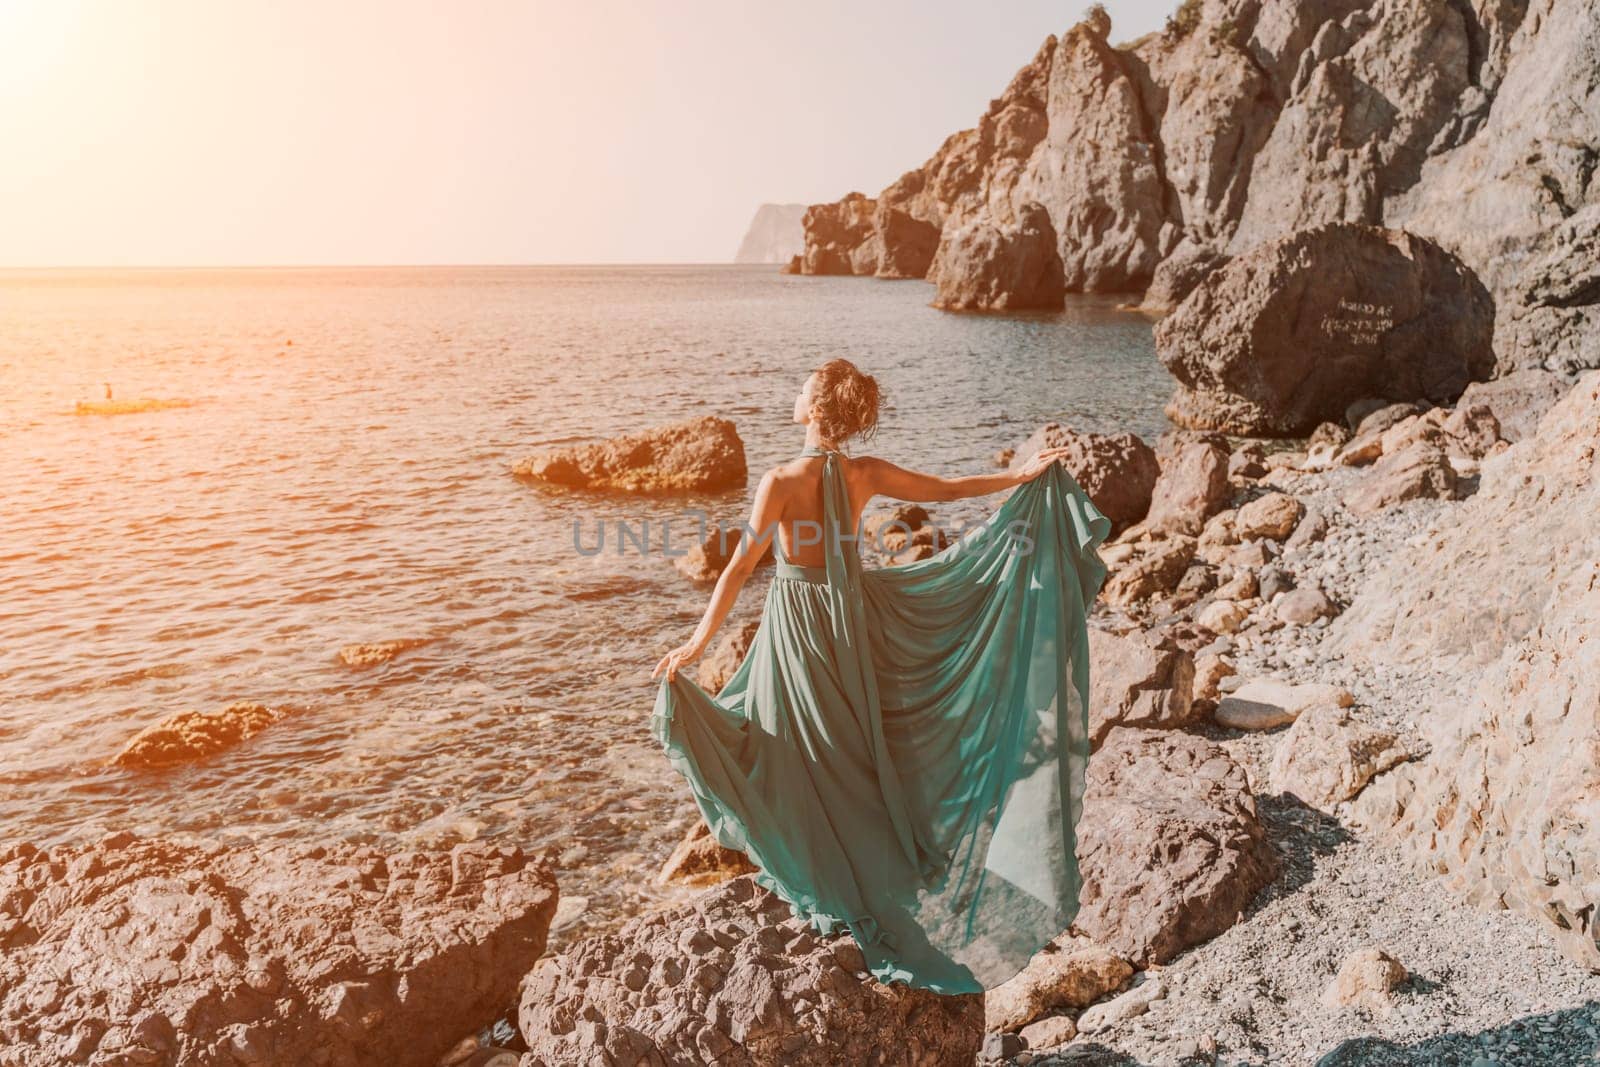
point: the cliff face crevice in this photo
(1470, 122)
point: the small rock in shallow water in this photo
(193, 735)
(365, 656)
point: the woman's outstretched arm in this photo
(886, 479)
(752, 546)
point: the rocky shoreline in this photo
(1322, 677)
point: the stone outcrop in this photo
(1068, 973)
(732, 978)
(1134, 681)
(700, 455)
(135, 950)
(1508, 594)
(839, 237)
(1326, 758)
(194, 735)
(1518, 400)
(1170, 844)
(1289, 334)
(776, 235)
(699, 860)
(1472, 124)
(983, 267)
(1118, 471)
(1459, 600)
(1192, 487)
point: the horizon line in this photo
(375, 266)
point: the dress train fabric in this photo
(902, 752)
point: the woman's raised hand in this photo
(1038, 463)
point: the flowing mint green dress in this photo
(902, 752)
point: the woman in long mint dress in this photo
(902, 751)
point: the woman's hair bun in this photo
(845, 403)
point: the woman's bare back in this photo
(797, 487)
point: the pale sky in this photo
(209, 132)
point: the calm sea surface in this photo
(343, 476)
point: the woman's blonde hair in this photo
(845, 402)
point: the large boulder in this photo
(1170, 843)
(1327, 756)
(146, 951)
(1192, 486)
(700, 455)
(1134, 681)
(1288, 335)
(983, 267)
(1118, 471)
(732, 978)
(1178, 274)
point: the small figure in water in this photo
(108, 389)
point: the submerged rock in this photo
(732, 978)
(376, 653)
(147, 951)
(1288, 335)
(699, 455)
(194, 735)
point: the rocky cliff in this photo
(776, 235)
(1474, 123)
